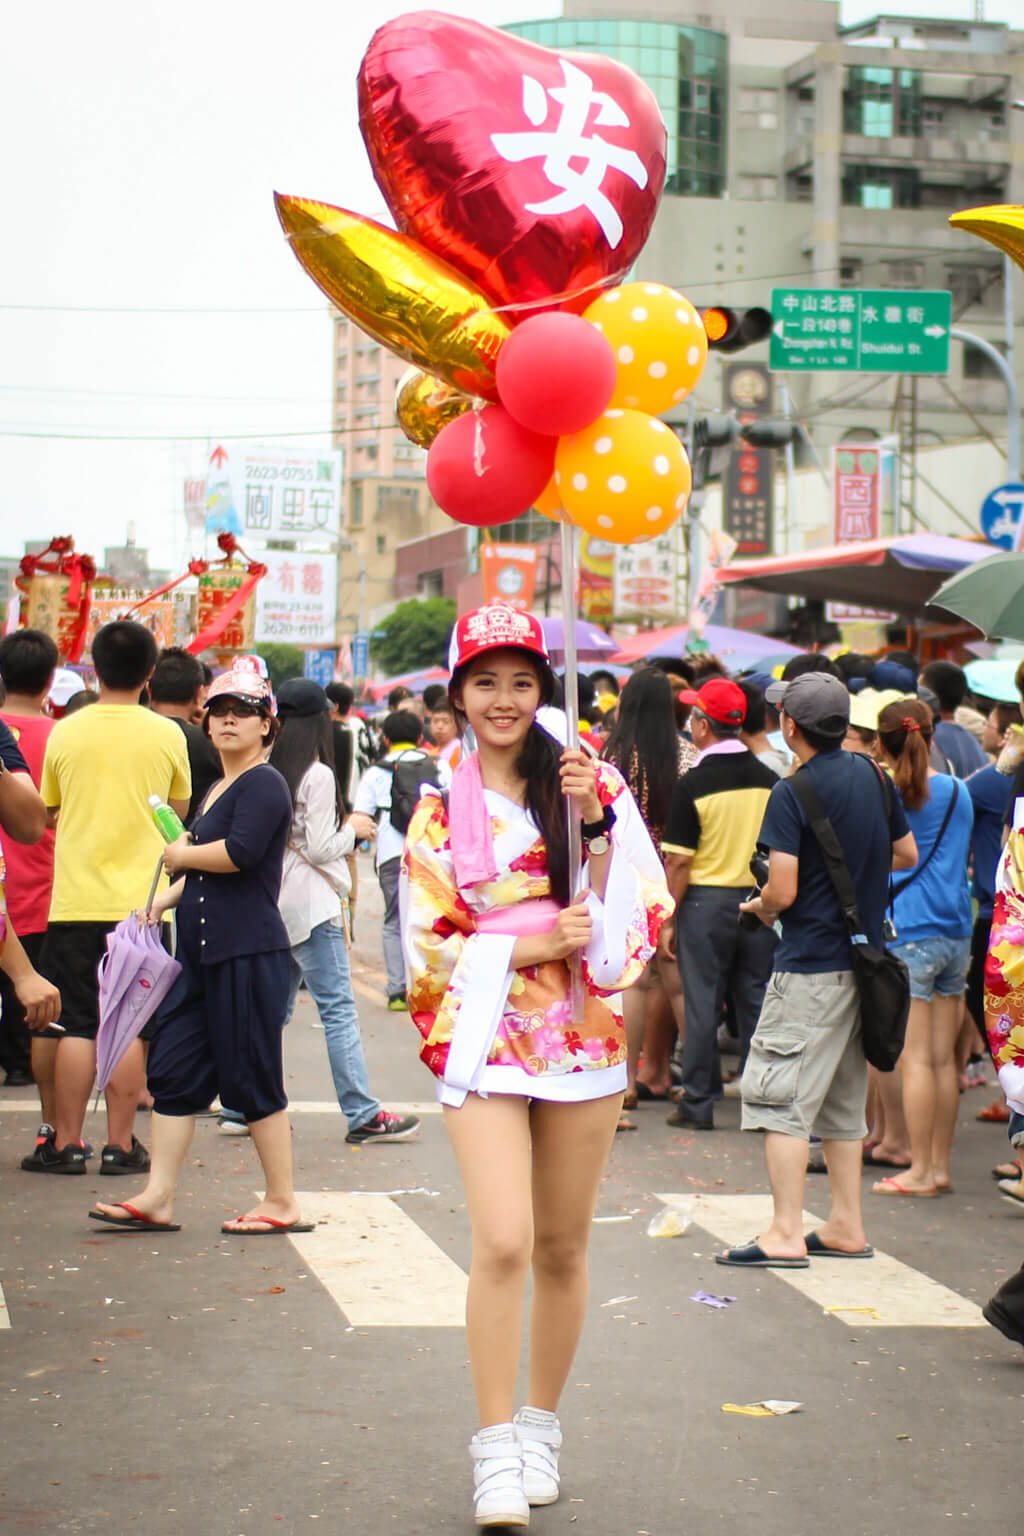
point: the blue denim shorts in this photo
(938, 967)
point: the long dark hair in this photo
(644, 744)
(302, 741)
(538, 765)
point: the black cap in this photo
(301, 696)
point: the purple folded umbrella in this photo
(135, 976)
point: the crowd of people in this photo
(702, 950)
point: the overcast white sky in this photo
(142, 142)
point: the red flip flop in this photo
(137, 1220)
(272, 1227)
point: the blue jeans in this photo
(323, 960)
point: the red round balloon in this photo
(534, 171)
(484, 468)
(556, 373)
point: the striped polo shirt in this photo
(716, 814)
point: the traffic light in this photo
(715, 431)
(768, 433)
(730, 330)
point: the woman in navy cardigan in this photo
(220, 1029)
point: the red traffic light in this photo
(730, 330)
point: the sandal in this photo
(892, 1187)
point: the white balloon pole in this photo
(569, 546)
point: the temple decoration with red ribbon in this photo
(226, 609)
(56, 585)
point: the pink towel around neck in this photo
(469, 826)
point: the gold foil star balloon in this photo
(424, 405)
(407, 299)
(1001, 225)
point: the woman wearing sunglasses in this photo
(220, 1029)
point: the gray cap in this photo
(815, 700)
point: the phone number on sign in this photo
(274, 472)
(292, 629)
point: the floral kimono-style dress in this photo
(487, 1028)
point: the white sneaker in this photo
(498, 1497)
(540, 1437)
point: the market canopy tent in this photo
(737, 649)
(898, 575)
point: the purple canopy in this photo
(591, 642)
(135, 976)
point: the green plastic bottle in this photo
(169, 823)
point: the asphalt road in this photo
(195, 1382)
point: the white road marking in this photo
(296, 1107)
(378, 1265)
(5, 1316)
(863, 1293)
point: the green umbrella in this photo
(989, 595)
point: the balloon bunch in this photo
(524, 182)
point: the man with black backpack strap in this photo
(807, 1072)
(388, 792)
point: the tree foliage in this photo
(283, 661)
(415, 635)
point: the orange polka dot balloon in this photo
(659, 342)
(549, 502)
(625, 478)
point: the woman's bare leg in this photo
(171, 1137)
(491, 1140)
(570, 1149)
(917, 1065)
(945, 1029)
(272, 1138)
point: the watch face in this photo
(599, 844)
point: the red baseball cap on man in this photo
(720, 699)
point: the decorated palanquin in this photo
(1004, 967)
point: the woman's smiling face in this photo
(499, 696)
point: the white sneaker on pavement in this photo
(498, 1497)
(540, 1436)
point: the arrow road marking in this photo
(378, 1265)
(869, 1293)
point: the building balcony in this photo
(907, 229)
(989, 152)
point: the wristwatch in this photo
(595, 833)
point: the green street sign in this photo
(859, 330)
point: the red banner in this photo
(856, 511)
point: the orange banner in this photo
(510, 573)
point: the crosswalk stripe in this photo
(863, 1293)
(296, 1107)
(378, 1265)
(5, 1316)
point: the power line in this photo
(718, 280)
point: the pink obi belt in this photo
(522, 921)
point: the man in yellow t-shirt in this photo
(101, 766)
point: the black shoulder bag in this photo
(883, 982)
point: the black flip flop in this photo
(752, 1256)
(645, 1096)
(136, 1220)
(883, 1162)
(819, 1250)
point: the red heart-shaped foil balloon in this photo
(536, 173)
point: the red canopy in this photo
(899, 575)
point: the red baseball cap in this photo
(490, 629)
(720, 699)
